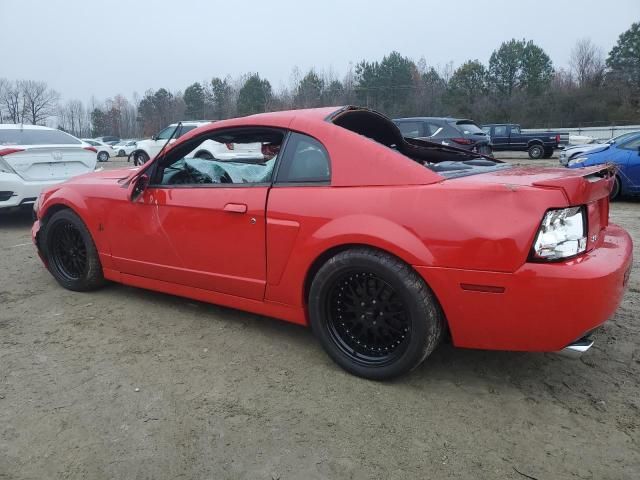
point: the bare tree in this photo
(12, 102)
(40, 102)
(587, 63)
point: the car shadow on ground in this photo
(483, 369)
(16, 219)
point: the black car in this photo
(457, 132)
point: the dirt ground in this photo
(129, 384)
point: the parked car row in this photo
(466, 134)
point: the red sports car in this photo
(382, 244)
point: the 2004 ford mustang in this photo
(380, 243)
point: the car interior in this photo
(446, 160)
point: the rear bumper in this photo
(22, 191)
(541, 306)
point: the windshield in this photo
(620, 138)
(28, 136)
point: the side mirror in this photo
(139, 186)
(153, 137)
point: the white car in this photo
(124, 148)
(105, 152)
(208, 150)
(34, 157)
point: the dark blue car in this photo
(626, 156)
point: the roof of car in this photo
(23, 126)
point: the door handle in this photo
(235, 208)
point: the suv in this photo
(207, 150)
(461, 133)
(146, 149)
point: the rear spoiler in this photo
(590, 184)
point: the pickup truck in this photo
(508, 136)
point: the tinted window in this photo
(500, 131)
(305, 161)
(16, 136)
(631, 145)
(165, 134)
(410, 129)
(186, 128)
(468, 127)
(434, 130)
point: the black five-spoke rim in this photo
(68, 251)
(367, 318)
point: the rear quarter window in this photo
(468, 128)
(16, 136)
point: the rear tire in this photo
(373, 314)
(536, 152)
(485, 150)
(103, 157)
(121, 153)
(72, 257)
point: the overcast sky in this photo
(84, 47)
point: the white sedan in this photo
(34, 157)
(105, 151)
(125, 148)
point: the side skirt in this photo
(269, 309)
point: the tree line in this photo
(518, 84)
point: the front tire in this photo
(615, 191)
(72, 257)
(140, 158)
(536, 152)
(121, 153)
(373, 314)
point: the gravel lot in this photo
(126, 383)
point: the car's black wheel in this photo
(103, 157)
(548, 153)
(536, 152)
(121, 153)
(140, 158)
(71, 255)
(615, 191)
(373, 314)
(485, 150)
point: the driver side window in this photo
(237, 156)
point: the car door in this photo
(627, 156)
(500, 137)
(200, 223)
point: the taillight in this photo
(9, 151)
(463, 141)
(91, 149)
(558, 139)
(229, 146)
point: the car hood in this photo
(115, 174)
(600, 147)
